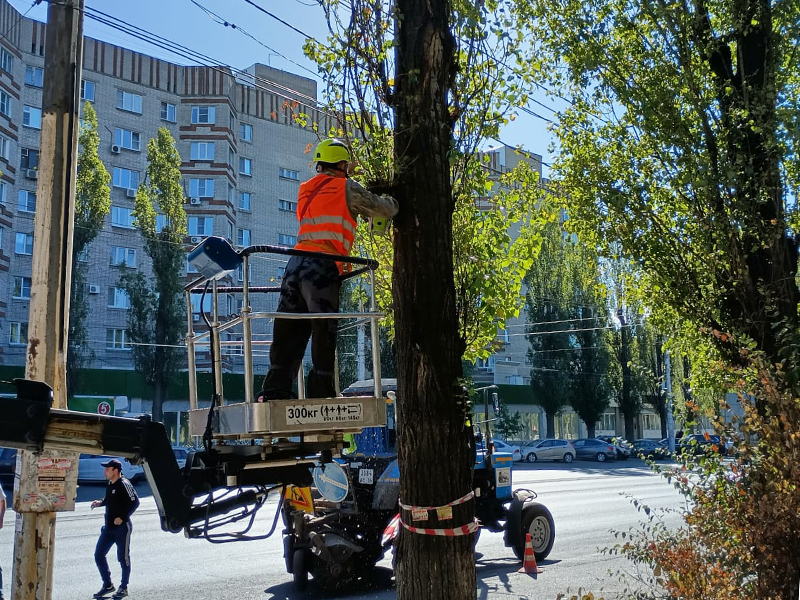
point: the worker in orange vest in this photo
(327, 206)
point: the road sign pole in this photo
(36, 499)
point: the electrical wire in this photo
(222, 21)
(202, 59)
(289, 25)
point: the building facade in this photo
(244, 153)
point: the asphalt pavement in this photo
(588, 501)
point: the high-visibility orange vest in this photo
(326, 224)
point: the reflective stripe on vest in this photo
(325, 221)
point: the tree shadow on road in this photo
(377, 584)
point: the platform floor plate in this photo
(284, 418)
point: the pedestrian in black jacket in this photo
(120, 502)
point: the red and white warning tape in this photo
(463, 530)
(461, 500)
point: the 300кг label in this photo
(324, 413)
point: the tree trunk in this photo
(158, 401)
(590, 430)
(434, 441)
(551, 425)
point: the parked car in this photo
(181, 454)
(621, 445)
(514, 451)
(652, 449)
(697, 443)
(594, 448)
(90, 469)
(8, 464)
(549, 450)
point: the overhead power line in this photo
(222, 21)
(201, 59)
(277, 18)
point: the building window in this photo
(244, 200)
(26, 201)
(6, 60)
(203, 115)
(202, 151)
(607, 422)
(190, 268)
(201, 225)
(22, 288)
(32, 117)
(123, 257)
(3, 192)
(83, 255)
(130, 102)
(87, 90)
(287, 205)
(201, 188)
(118, 298)
(5, 103)
(117, 339)
(243, 237)
(246, 132)
(230, 229)
(29, 159)
(130, 140)
(287, 240)
(231, 156)
(19, 333)
(281, 271)
(289, 174)
(5, 147)
(125, 178)
(168, 112)
(23, 244)
(161, 222)
(122, 217)
(34, 76)
(245, 166)
(240, 273)
(651, 422)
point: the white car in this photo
(514, 451)
(90, 469)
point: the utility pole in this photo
(670, 416)
(37, 500)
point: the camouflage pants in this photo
(309, 285)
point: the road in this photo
(585, 498)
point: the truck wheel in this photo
(568, 457)
(537, 521)
(288, 553)
(531, 458)
(299, 569)
(601, 457)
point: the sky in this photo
(276, 44)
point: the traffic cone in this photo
(529, 565)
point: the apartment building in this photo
(243, 154)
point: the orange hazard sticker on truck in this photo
(300, 498)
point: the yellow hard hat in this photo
(331, 151)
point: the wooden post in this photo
(50, 290)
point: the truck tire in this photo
(537, 521)
(300, 569)
(288, 553)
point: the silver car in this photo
(549, 450)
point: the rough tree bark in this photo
(432, 406)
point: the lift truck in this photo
(334, 507)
